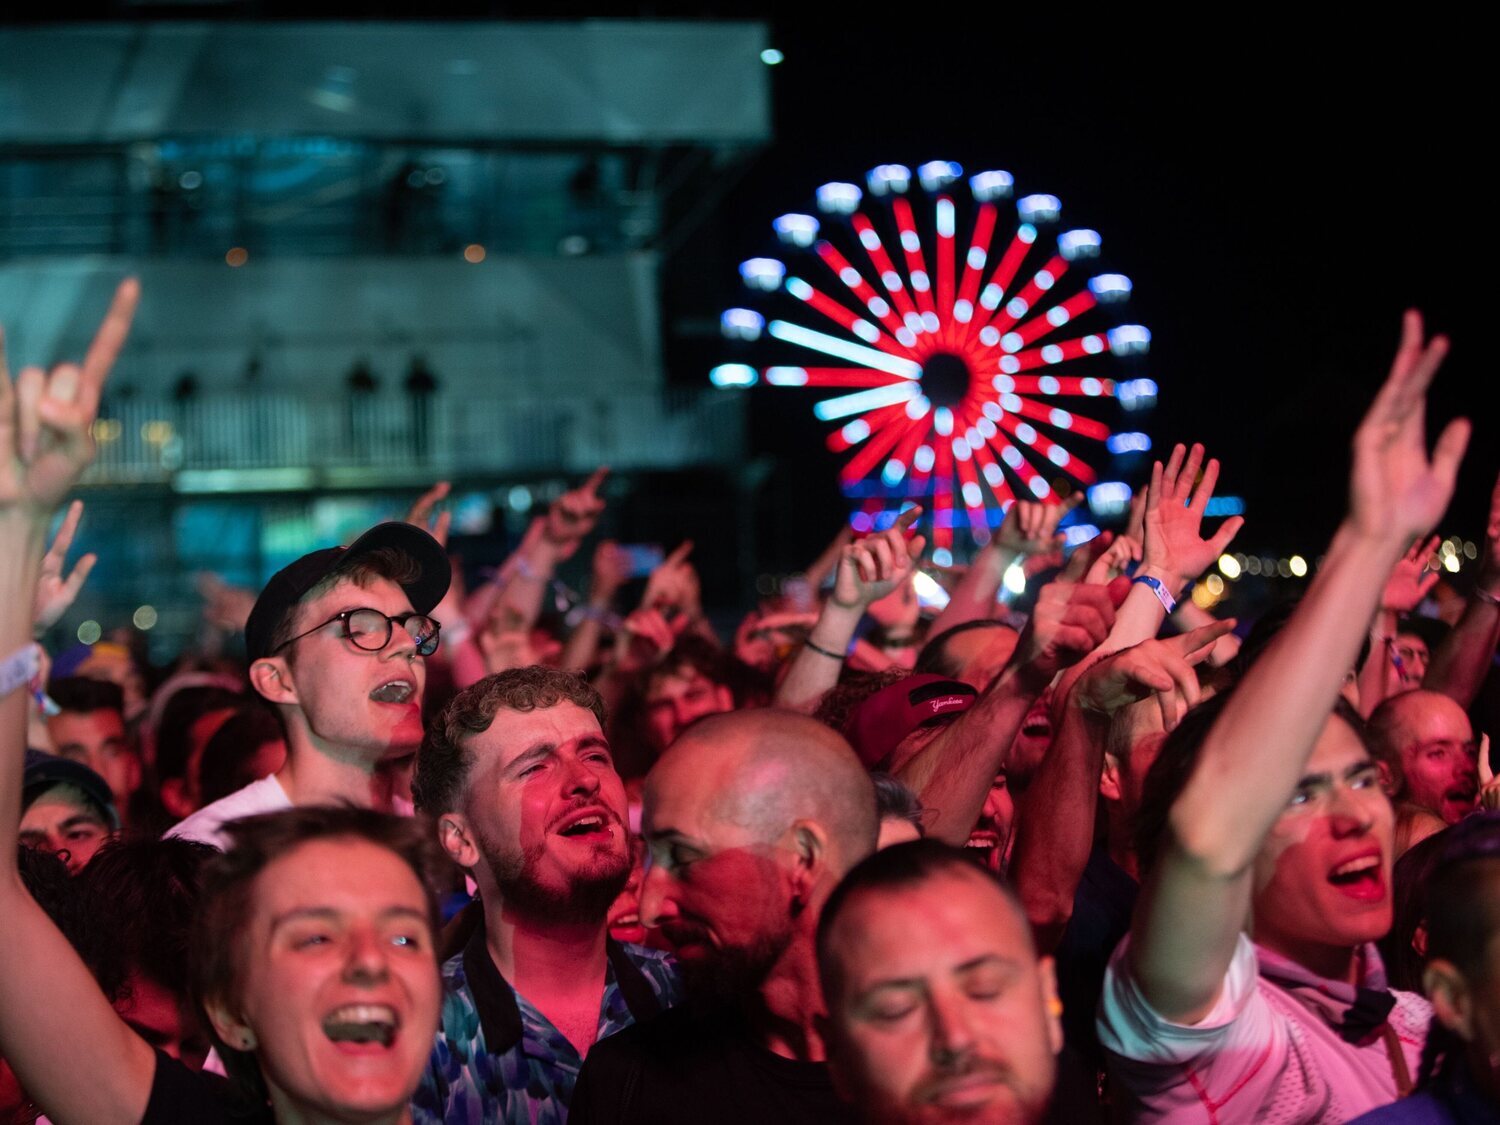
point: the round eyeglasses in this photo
(369, 629)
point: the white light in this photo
(1044, 280)
(942, 557)
(918, 407)
(1011, 341)
(733, 375)
(987, 186)
(763, 273)
(963, 311)
(961, 449)
(1040, 488)
(855, 431)
(1298, 566)
(1129, 442)
(1048, 385)
(519, 498)
(986, 427)
(990, 296)
(973, 437)
(1016, 307)
(1079, 533)
(839, 198)
(1015, 579)
(885, 178)
(938, 174)
(1111, 497)
(869, 239)
(1136, 394)
(1130, 339)
(942, 421)
(741, 324)
(1051, 353)
(145, 617)
(1057, 316)
(1011, 403)
(1026, 233)
(89, 632)
(891, 280)
(913, 320)
(850, 277)
(772, 57)
(1110, 288)
(843, 349)
(860, 401)
(1010, 364)
(976, 257)
(1230, 567)
(930, 322)
(893, 473)
(911, 242)
(973, 495)
(786, 376)
(989, 335)
(1039, 208)
(1093, 345)
(1003, 384)
(1025, 432)
(906, 337)
(799, 288)
(1451, 563)
(924, 458)
(878, 306)
(919, 281)
(1061, 418)
(1012, 457)
(928, 590)
(1076, 244)
(994, 475)
(866, 331)
(945, 218)
(1058, 456)
(796, 230)
(1091, 386)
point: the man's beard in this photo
(586, 898)
(732, 977)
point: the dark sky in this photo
(1277, 193)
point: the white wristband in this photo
(20, 668)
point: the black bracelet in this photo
(823, 651)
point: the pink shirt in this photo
(1260, 1056)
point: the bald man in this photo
(752, 818)
(1428, 762)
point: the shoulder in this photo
(204, 826)
(673, 1031)
(1418, 1109)
(181, 1094)
(659, 969)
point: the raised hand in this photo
(1396, 492)
(644, 637)
(1410, 580)
(1489, 789)
(573, 515)
(1069, 622)
(870, 568)
(1160, 667)
(1489, 566)
(54, 592)
(611, 570)
(224, 606)
(421, 515)
(1173, 551)
(1030, 526)
(46, 418)
(673, 587)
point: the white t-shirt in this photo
(206, 825)
(1259, 1057)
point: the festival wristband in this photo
(821, 651)
(1163, 595)
(20, 668)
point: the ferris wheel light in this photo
(1079, 533)
(1039, 208)
(741, 324)
(1076, 244)
(733, 375)
(796, 230)
(988, 186)
(1110, 498)
(764, 274)
(938, 174)
(786, 376)
(1109, 288)
(1130, 339)
(886, 178)
(1136, 394)
(839, 198)
(1124, 443)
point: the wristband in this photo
(20, 668)
(1163, 595)
(821, 651)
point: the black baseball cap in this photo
(43, 771)
(288, 585)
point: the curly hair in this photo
(840, 701)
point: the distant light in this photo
(573, 246)
(856, 431)
(1130, 339)
(1298, 566)
(1051, 353)
(893, 473)
(764, 274)
(1025, 432)
(236, 257)
(519, 498)
(1012, 342)
(918, 407)
(89, 632)
(799, 288)
(1204, 597)
(839, 198)
(1015, 579)
(1252, 565)
(1450, 563)
(1128, 443)
(973, 496)
(1470, 551)
(1039, 208)
(190, 180)
(928, 590)
(1283, 568)
(1224, 506)
(733, 375)
(923, 459)
(886, 178)
(1215, 584)
(1074, 245)
(741, 324)
(944, 214)
(1231, 568)
(796, 230)
(862, 522)
(786, 376)
(145, 617)
(1110, 498)
(1090, 386)
(988, 186)
(942, 557)
(772, 57)
(1079, 533)
(942, 421)
(938, 174)
(1110, 288)
(473, 253)
(1136, 394)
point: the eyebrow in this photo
(82, 818)
(984, 960)
(330, 914)
(1312, 780)
(548, 749)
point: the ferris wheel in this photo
(970, 353)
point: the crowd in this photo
(428, 854)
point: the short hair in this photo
(229, 752)
(81, 695)
(383, 562)
(893, 868)
(894, 799)
(935, 657)
(255, 842)
(186, 707)
(1175, 763)
(444, 761)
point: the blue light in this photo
(764, 274)
(1110, 498)
(839, 198)
(796, 230)
(1039, 208)
(1136, 394)
(860, 401)
(733, 375)
(1079, 533)
(893, 473)
(741, 324)
(886, 178)
(938, 174)
(1130, 339)
(786, 376)
(1076, 244)
(772, 57)
(1109, 288)
(844, 349)
(1224, 506)
(1128, 443)
(861, 522)
(988, 186)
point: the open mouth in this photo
(394, 691)
(362, 1024)
(589, 823)
(1361, 877)
(983, 839)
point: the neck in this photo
(315, 774)
(1331, 962)
(789, 1003)
(289, 1112)
(542, 956)
(1117, 829)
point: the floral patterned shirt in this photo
(498, 1059)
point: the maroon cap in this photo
(878, 725)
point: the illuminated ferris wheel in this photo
(963, 376)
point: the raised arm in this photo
(1460, 662)
(51, 1010)
(1029, 528)
(1195, 900)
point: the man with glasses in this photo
(337, 642)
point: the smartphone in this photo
(644, 557)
